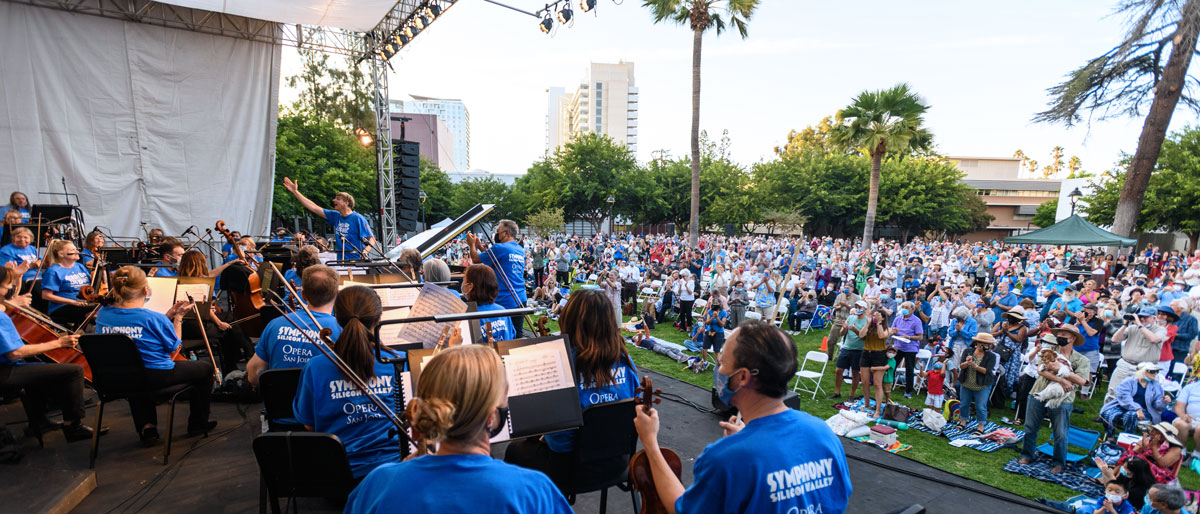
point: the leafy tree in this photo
(921, 194)
(341, 95)
(785, 221)
(546, 221)
(491, 190)
(670, 188)
(579, 177)
(439, 192)
(324, 159)
(700, 16)
(815, 138)
(828, 189)
(976, 214)
(1123, 79)
(1044, 217)
(878, 122)
(1177, 195)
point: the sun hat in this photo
(1168, 431)
(985, 338)
(1069, 331)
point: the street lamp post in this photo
(1075, 195)
(611, 221)
(422, 197)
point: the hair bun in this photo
(433, 418)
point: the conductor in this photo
(507, 259)
(351, 227)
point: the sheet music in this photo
(537, 368)
(390, 334)
(398, 296)
(162, 293)
(432, 300)
(199, 292)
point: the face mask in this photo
(721, 383)
(858, 311)
(1116, 499)
(502, 417)
(891, 355)
(1108, 313)
(904, 312)
(1124, 471)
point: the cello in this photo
(34, 328)
(639, 466)
(247, 306)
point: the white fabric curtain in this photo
(147, 124)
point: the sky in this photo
(982, 67)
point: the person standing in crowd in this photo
(158, 338)
(353, 238)
(850, 355)
(1187, 328)
(1066, 337)
(507, 260)
(907, 331)
(976, 378)
(963, 329)
(1143, 335)
(753, 373)
(842, 305)
(685, 290)
(739, 298)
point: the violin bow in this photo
(204, 335)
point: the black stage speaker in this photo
(406, 163)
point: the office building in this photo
(454, 115)
(605, 102)
(433, 134)
(1010, 200)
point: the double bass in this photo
(247, 306)
(639, 465)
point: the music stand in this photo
(51, 213)
(476, 333)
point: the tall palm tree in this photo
(701, 15)
(878, 122)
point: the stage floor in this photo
(219, 474)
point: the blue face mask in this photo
(904, 312)
(721, 383)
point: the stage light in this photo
(547, 24)
(411, 31)
(564, 15)
(403, 38)
(364, 137)
(433, 11)
(587, 5)
(421, 22)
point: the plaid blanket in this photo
(967, 436)
(1069, 478)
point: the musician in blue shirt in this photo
(39, 381)
(326, 401)
(479, 286)
(172, 252)
(460, 404)
(281, 345)
(158, 338)
(21, 250)
(61, 283)
(603, 370)
(776, 460)
(17, 201)
(507, 258)
(353, 238)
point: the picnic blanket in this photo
(895, 447)
(966, 437)
(1069, 478)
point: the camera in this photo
(1130, 317)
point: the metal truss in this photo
(330, 40)
(402, 15)
(383, 153)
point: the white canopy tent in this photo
(357, 15)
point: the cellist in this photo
(63, 382)
(351, 227)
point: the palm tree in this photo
(878, 122)
(701, 15)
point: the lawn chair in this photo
(1077, 437)
(806, 378)
(821, 318)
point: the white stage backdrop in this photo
(147, 124)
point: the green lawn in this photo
(927, 448)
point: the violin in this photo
(542, 329)
(639, 466)
(246, 306)
(35, 328)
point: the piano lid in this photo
(434, 239)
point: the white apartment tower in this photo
(605, 102)
(454, 114)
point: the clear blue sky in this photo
(982, 67)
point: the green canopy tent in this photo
(1073, 231)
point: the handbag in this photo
(897, 412)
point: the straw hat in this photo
(985, 338)
(1069, 331)
(1168, 431)
(1015, 314)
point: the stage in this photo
(219, 474)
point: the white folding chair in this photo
(923, 359)
(806, 378)
(781, 313)
(698, 307)
(591, 279)
(1180, 369)
(753, 315)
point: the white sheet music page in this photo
(537, 368)
(162, 293)
(200, 292)
(432, 300)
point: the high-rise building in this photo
(453, 113)
(605, 102)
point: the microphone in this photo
(189, 231)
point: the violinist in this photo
(603, 369)
(479, 286)
(326, 401)
(40, 381)
(280, 345)
(61, 282)
(233, 344)
(17, 201)
(10, 218)
(170, 252)
(22, 251)
(158, 339)
(461, 402)
(351, 227)
(751, 468)
(301, 260)
(91, 249)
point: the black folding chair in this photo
(278, 388)
(302, 464)
(603, 447)
(118, 373)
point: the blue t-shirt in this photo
(10, 253)
(86, 256)
(456, 483)
(785, 462)
(282, 346)
(152, 331)
(1007, 300)
(510, 270)
(65, 282)
(625, 379)
(227, 249)
(10, 340)
(1029, 289)
(1090, 343)
(293, 278)
(329, 403)
(165, 272)
(353, 228)
(25, 216)
(718, 321)
(502, 329)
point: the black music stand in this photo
(476, 333)
(51, 213)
